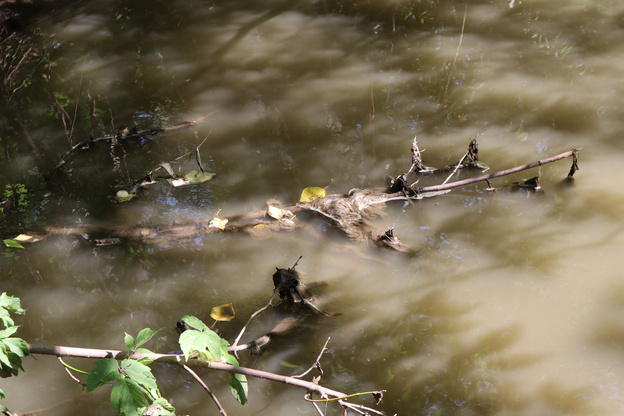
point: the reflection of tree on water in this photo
(430, 369)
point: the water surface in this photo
(514, 306)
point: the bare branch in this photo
(205, 387)
(498, 174)
(180, 360)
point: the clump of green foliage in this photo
(12, 349)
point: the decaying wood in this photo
(127, 133)
(352, 213)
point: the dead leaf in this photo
(219, 223)
(222, 313)
(311, 193)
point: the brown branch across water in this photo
(178, 359)
(500, 173)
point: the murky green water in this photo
(514, 306)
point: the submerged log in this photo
(351, 212)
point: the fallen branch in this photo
(349, 212)
(456, 184)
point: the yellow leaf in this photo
(311, 193)
(23, 237)
(259, 226)
(218, 223)
(222, 313)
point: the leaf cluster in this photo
(135, 391)
(200, 341)
(12, 349)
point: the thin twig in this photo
(318, 409)
(66, 367)
(461, 38)
(253, 315)
(205, 387)
(317, 362)
(456, 167)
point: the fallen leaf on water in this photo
(276, 213)
(222, 313)
(198, 177)
(12, 243)
(123, 196)
(218, 223)
(311, 193)
(23, 237)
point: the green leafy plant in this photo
(12, 349)
(200, 341)
(135, 391)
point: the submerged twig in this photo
(205, 387)
(235, 347)
(461, 39)
(317, 363)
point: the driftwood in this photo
(351, 212)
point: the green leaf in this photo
(140, 373)
(4, 358)
(129, 341)
(5, 333)
(104, 371)
(3, 408)
(11, 303)
(145, 335)
(202, 343)
(12, 243)
(198, 177)
(17, 346)
(239, 387)
(127, 397)
(123, 196)
(194, 322)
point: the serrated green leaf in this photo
(145, 360)
(5, 333)
(195, 323)
(205, 343)
(104, 371)
(127, 397)
(239, 387)
(11, 303)
(145, 335)
(129, 341)
(140, 373)
(166, 406)
(6, 318)
(228, 358)
(17, 346)
(4, 358)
